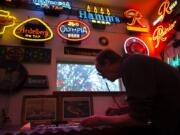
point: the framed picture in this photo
(39, 109)
(74, 109)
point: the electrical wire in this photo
(114, 99)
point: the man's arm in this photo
(118, 120)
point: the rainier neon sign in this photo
(25, 32)
(136, 17)
(50, 3)
(165, 8)
(98, 15)
(6, 20)
(73, 30)
(160, 32)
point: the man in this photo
(152, 87)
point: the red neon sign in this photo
(134, 45)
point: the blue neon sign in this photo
(175, 62)
(42, 3)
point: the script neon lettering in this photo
(33, 31)
(164, 8)
(135, 15)
(160, 32)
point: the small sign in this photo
(33, 29)
(73, 30)
(36, 82)
(26, 54)
(81, 51)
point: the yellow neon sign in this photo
(6, 20)
(160, 32)
(97, 10)
(33, 34)
(138, 29)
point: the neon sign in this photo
(52, 4)
(175, 62)
(134, 45)
(98, 15)
(165, 8)
(39, 31)
(136, 17)
(6, 21)
(160, 32)
(73, 30)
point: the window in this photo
(83, 77)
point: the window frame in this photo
(84, 93)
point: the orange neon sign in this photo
(6, 20)
(136, 17)
(164, 8)
(160, 32)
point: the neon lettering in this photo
(164, 8)
(52, 3)
(98, 18)
(160, 32)
(135, 15)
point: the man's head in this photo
(108, 64)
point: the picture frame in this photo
(41, 109)
(76, 108)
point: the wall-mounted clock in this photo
(12, 76)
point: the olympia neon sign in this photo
(45, 3)
(73, 30)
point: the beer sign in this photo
(33, 29)
(73, 30)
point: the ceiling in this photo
(144, 6)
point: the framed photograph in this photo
(39, 109)
(74, 109)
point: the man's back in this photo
(153, 90)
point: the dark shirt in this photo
(153, 91)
